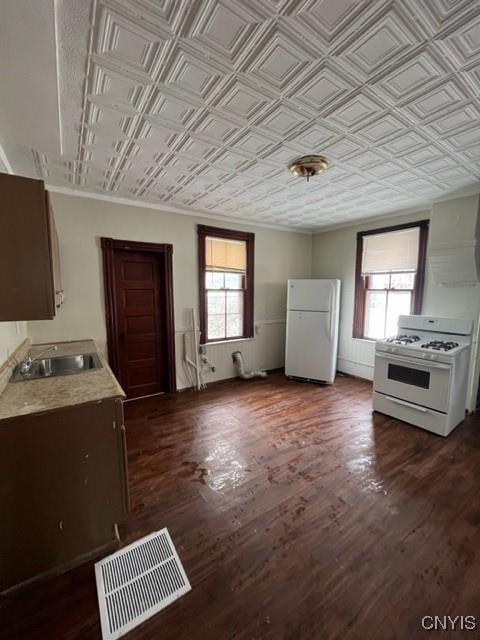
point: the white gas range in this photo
(421, 374)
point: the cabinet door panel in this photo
(55, 255)
(26, 281)
(60, 488)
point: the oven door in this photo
(418, 381)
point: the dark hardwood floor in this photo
(297, 515)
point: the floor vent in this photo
(137, 582)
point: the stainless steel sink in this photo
(59, 366)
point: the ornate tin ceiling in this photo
(201, 105)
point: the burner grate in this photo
(403, 339)
(440, 345)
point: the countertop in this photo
(48, 394)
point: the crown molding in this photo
(372, 219)
(192, 213)
(474, 190)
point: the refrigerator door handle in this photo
(332, 325)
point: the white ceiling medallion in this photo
(308, 166)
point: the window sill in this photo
(212, 342)
(371, 340)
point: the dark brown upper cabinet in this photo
(30, 286)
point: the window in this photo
(226, 283)
(390, 271)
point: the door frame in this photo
(165, 254)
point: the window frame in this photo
(227, 234)
(387, 290)
(361, 281)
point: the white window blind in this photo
(225, 255)
(391, 252)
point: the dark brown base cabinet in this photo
(63, 488)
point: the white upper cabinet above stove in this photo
(454, 251)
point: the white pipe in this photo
(195, 365)
(196, 347)
(187, 361)
(240, 368)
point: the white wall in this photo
(81, 222)
(11, 335)
(334, 257)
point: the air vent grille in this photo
(138, 582)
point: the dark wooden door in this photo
(139, 306)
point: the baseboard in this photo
(150, 395)
(352, 375)
(229, 379)
(275, 370)
(356, 369)
(345, 367)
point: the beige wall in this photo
(278, 255)
(11, 335)
(334, 257)
(81, 222)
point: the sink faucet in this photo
(26, 364)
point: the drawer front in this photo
(428, 419)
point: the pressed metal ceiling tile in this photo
(201, 105)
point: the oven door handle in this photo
(426, 363)
(407, 404)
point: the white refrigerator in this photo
(312, 329)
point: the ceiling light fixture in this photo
(308, 166)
